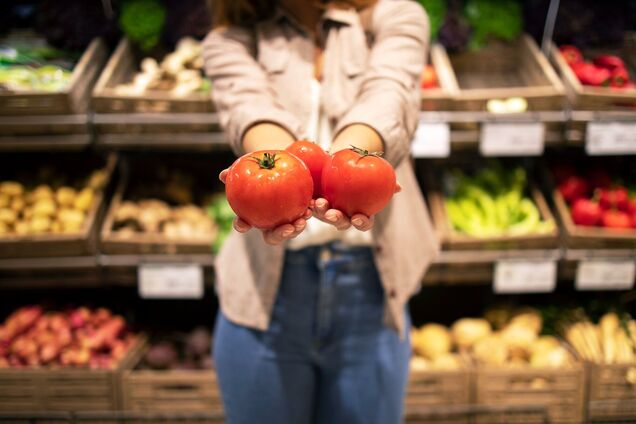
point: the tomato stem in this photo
(364, 153)
(268, 161)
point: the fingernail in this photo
(331, 217)
(287, 233)
(321, 203)
(357, 221)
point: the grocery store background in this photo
(111, 212)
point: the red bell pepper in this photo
(589, 74)
(619, 78)
(571, 54)
(609, 61)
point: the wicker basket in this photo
(440, 98)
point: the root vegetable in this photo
(556, 357)
(41, 192)
(40, 224)
(127, 211)
(447, 361)
(65, 196)
(44, 207)
(418, 364)
(468, 331)
(162, 356)
(529, 318)
(71, 220)
(4, 228)
(11, 188)
(5, 200)
(8, 216)
(84, 199)
(432, 340)
(491, 350)
(519, 339)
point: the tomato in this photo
(356, 181)
(269, 188)
(314, 157)
(429, 78)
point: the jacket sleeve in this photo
(240, 88)
(389, 96)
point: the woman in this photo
(313, 323)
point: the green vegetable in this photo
(501, 19)
(142, 21)
(492, 203)
(223, 214)
(436, 11)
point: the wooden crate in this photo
(144, 243)
(74, 99)
(429, 389)
(440, 98)
(560, 390)
(129, 417)
(46, 389)
(78, 244)
(580, 237)
(171, 391)
(501, 70)
(486, 414)
(121, 67)
(611, 396)
(584, 97)
(452, 240)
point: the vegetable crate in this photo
(42, 389)
(490, 414)
(139, 176)
(74, 99)
(171, 390)
(82, 242)
(584, 97)
(503, 70)
(453, 240)
(612, 392)
(560, 390)
(440, 98)
(120, 68)
(580, 237)
(434, 388)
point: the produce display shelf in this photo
(45, 132)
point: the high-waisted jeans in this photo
(327, 356)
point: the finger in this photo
(223, 175)
(362, 222)
(299, 226)
(279, 234)
(320, 207)
(308, 214)
(337, 219)
(241, 226)
(398, 188)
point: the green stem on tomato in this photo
(268, 161)
(363, 152)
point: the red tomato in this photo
(616, 198)
(573, 188)
(269, 188)
(429, 77)
(356, 181)
(586, 212)
(314, 157)
(616, 219)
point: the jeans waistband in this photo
(335, 249)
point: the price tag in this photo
(611, 138)
(605, 275)
(170, 281)
(508, 139)
(432, 140)
(525, 276)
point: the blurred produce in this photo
(179, 73)
(433, 349)
(223, 215)
(158, 217)
(73, 24)
(603, 71)
(436, 11)
(142, 21)
(611, 341)
(509, 105)
(492, 202)
(27, 63)
(429, 78)
(595, 198)
(81, 337)
(52, 207)
(181, 351)
(500, 19)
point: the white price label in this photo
(605, 275)
(170, 281)
(525, 276)
(432, 140)
(508, 139)
(611, 138)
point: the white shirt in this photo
(320, 130)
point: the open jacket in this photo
(371, 70)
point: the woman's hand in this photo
(276, 235)
(322, 211)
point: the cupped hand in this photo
(276, 235)
(322, 211)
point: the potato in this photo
(447, 361)
(65, 196)
(468, 331)
(418, 364)
(557, 357)
(11, 188)
(491, 350)
(56, 227)
(8, 216)
(44, 207)
(71, 220)
(544, 343)
(127, 211)
(519, 339)
(41, 192)
(4, 229)
(432, 340)
(40, 224)
(27, 213)
(84, 199)
(5, 200)
(22, 227)
(18, 204)
(528, 317)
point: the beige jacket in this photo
(370, 76)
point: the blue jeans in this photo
(326, 357)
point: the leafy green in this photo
(142, 21)
(501, 19)
(436, 11)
